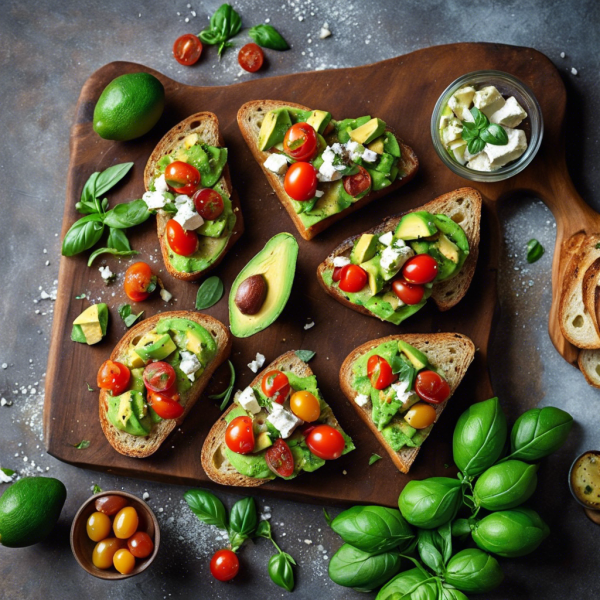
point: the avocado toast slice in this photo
(214, 336)
(215, 237)
(216, 455)
(250, 119)
(449, 354)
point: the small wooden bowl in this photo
(83, 547)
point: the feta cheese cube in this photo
(461, 100)
(452, 132)
(327, 172)
(480, 162)
(501, 155)
(328, 154)
(402, 391)
(154, 200)
(283, 420)
(336, 149)
(392, 259)
(189, 364)
(369, 155)
(165, 295)
(319, 193)
(276, 163)
(488, 100)
(187, 216)
(257, 363)
(247, 400)
(341, 261)
(324, 33)
(387, 238)
(160, 184)
(105, 273)
(510, 115)
(361, 399)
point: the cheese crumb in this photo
(165, 295)
(145, 496)
(309, 325)
(105, 273)
(573, 71)
(256, 364)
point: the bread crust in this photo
(139, 446)
(587, 361)
(408, 162)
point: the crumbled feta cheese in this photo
(361, 399)
(165, 295)
(341, 261)
(5, 365)
(387, 238)
(4, 478)
(562, 55)
(160, 184)
(256, 364)
(247, 400)
(480, 162)
(488, 100)
(402, 391)
(501, 155)
(451, 133)
(399, 243)
(369, 155)
(187, 216)
(105, 273)
(324, 33)
(145, 496)
(309, 325)
(336, 148)
(276, 163)
(392, 259)
(327, 172)
(573, 71)
(154, 200)
(319, 193)
(283, 420)
(510, 115)
(189, 364)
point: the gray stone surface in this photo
(47, 50)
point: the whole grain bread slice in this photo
(589, 364)
(206, 125)
(143, 446)
(464, 207)
(250, 117)
(214, 459)
(450, 352)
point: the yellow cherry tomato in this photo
(305, 406)
(104, 551)
(98, 526)
(124, 561)
(420, 415)
(126, 523)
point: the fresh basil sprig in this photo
(96, 489)
(268, 37)
(480, 132)
(535, 251)
(224, 24)
(83, 444)
(280, 564)
(128, 317)
(226, 395)
(207, 507)
(305, 355)
(209, 293)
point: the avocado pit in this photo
(251, 294)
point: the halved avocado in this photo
(276, 262)
(415, 225)
(416, 357)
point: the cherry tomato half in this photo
(409, 293)
(420, 415)
(140, 544)
(209, 204)
(164, 406)
(239, 435)
(182, 242)
(276, 385)
(358, 183)
(380, 372)
(113, 376)
(300, 142)
(224, 565)
(420, 269)
(251, 57)
(325, 442)
(305, 406)
(353, 278)
(182, 177)
(187, 49)
(300, 181)
(280, 459)
(139, 282)
(337, 273)
(159, 376)
(431, 387)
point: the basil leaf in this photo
(280, 571)
(208, 36)
(494, 134)
(481, 121)
(226, 395)
(374, 458)
(268, 37)
(461, 528)
(327, 516)
(88, 194)
(110, 177)
(469, 134)
(96, 489)
(429, 552)
(305, 355)
(207, 507)
(83, 444)
(263, 530)
(126, 314)
(473, 570)
(535, 251)
(224, 24)
(476, 145)
(117, 239)
(127, 215)
(81, 297)
(82, 235)
(404, 370)
(244, 518)
(96, 253)
(8, 472)
(89, 387)
(209, 293)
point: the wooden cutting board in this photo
(403, 92)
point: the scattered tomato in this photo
(300, 142)
(420, 269)
(276, 385)
(209, 204)
(251, 57)
(140, 544)
(300, 181)
(420, 415)
(409, 293)
(98, 526)
(113, 376)
(358, 183)
(280, 459)
(124, 561)
(380, 372)
(182, 177)
(305, 406)
(159, 376)
(182, 242)
(139, 282)
(337, 273)
(104, 551)
(224, 565)
(187, 49)
(353, 278)
(432, 387)
(126, 523)
(164, 406)
(239, 435)
(325, 442)
(110, 505)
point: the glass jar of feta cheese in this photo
(508, 87)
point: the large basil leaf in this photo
(209, 293)
(505, 485)
(452, 594)
(118, 240)
(268, 37)
(242, 521)
(372, 528)
(110, 177)
(207, 507)
(224, 24)
(88, 195)
(435, 547)
(479, 437)
(415, 584)
(473, 570)
(127, 215)
(82, 235)
(280, 570)
(430, 503)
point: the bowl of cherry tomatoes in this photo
(114, 535)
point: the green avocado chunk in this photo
(319, 119)
(364, 249)
(157, 349)
(274, 127)
(415, 225)
(416, 357)
(191, 337)
(122, 415)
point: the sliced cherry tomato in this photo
(182, 242)
(139, 282)
(224, 565)
(431, 387)
(337, 273)
(306, 429)
(380, 372)
(164, 406)
(182, 177)
(239, 435)
(251, 57)
(300, 142)
(113, 376)
(353, 278)
(409, 293)
(305, 406)
(187, 49)
(420, 269)
(276, 385)
(420, 415)
(325, 442)
(280, 459)
(209, 204)
(300, 181)
(358, 183)
(159, 376)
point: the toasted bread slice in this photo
(250, 118)
(591, 291)
(450, 352)
(464, 207)
(141, 447)
(589, 364)
(214, 459)
(206, 125)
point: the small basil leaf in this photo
(473, 570)
(127, 215)
(208, 36)
(96, 253)
(374, 458)
(469, 131)
(263, 530)
(126, 314)
(305, 355)
(83, 444)
(461, 528)
(89, 387)
(244, 518)
(280, 571)
(429, 552)
(96, 489)
(535, 251)
(6, 471)
(117, 239)
(481, 121)
(327, 516)
(82, 235)
(88, 194)
(476, 145)
(207, 507)
(494, 134)
(209, 293)
(110, 177)
(268, 37)
(226, 394)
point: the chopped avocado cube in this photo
(319, 119)
(298, 115)
(365, 249)
(385, 163)
(378, 180)
(274, 127)
(416, 225)
(209, 160)
(377, 145)
(157, 347)
(122, 416)
(453, 230)
(421, 247)
(136, 383)
(373, 269)
(263, 441)
(416, 357)
(213, 228)
(391, 298)
(448, 249)
(368, 132)
(397, 436)
(391, 145)
(445, 117)
(90, 326)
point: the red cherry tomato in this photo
(159, 376)
(182, 177)
(300, 181)
(139, 282)
(113, 376)
(337, 273)
(280, 459)
(325, 442)
(353, 278)
(431, 387)
(140, 544)
(409, 293)
(239, 435)
(182, 242)
(251, 57)
(209, 204)
(164, 406)
(300, 142)
(276, 385)
(224, 565)
(380, 372)
(187, 49)
(420, 269)
(358, 183)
